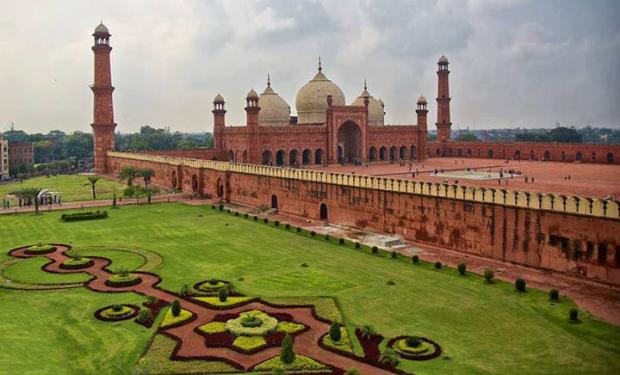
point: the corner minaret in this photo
(422, 111)
(219, 122)
(103, 114)
(443, 101)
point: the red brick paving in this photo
(588, 180)
(193, 344)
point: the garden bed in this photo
(427, 349)
(76, 263)
(123, 281)
(116, 313)
(84, 216)
(40, 249)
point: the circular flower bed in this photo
(415, 348)
(211, 286)
(116, 312)
(252, 323)
(76, 263)
(40, 248)
(123, 280)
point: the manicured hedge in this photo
(249, 343)
(121, 281)
(84, 216)
(40, 248)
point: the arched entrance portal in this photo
(323, 211)
(350, 140)
(194, 183)
(280, 158)
(274, 201)
(267, 157)
(220, 188)
(318, 156)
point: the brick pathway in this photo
(192, 344)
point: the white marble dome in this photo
(376, 112)
(101, 29)
(274, 111)
(311, 100)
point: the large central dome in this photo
(311, 101)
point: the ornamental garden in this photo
(171, 288)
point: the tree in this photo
(135, 191)
(92, 180)
(287, 354)
(334, 332)
(467, 136)
(176, 307)
(31, 193)
(128, 173)
(146, 175)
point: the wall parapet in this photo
(510, 198)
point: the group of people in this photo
(29, 202)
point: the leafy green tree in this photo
(176, 307)
(135, 191)
(128, 174)
(467, 136)
(146, 174)
(334, 332)
(92, 181)
(287, 354)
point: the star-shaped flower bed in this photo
(250, 331)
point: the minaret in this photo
(103, 114)
(443, 101)
(219, 122)
(422, 111)
(252, 109)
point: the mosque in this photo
(325, 131)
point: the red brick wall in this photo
(556, 241)
(590, 153)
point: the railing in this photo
(532, 200)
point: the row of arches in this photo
(532, 155)
(294, 158)
(392, 154)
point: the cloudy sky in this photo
(525, 63)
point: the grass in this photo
(482, 328)
(72, 187)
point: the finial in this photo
(320, 68)
(365, 84)
(268, 80)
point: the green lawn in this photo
(72, 187)
(483, 329)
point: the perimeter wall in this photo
(561, 233)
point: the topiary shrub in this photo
(276, 223)
(391, 282)
(287, 226)
(245, 215)
(213, 206)
(144, 316)
(298, 229)
(437, 265)
(375, 250)
(334, 332)
(520, 285)
(488, 276)
(413, 341)
(266, 221)
(415, 259)
(357, 245)
(341, 241)
(287, 354)
(186, 291)
(176, 307)
(221, 207)
(327, 237)
(222, 294)
(228, 210)
(554, 295)
(313, 233)
(117, 307)
(573, 315)
(255, 218)
(394, 254)
(462, 269)
(236, 213)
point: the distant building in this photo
(4, 159)
(21, 157)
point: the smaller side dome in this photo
(101, 29)
(252, 95)
(421, 100)
(218, 99)
(376, 111)
(442, 60)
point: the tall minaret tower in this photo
(443, 101)
(103, 114)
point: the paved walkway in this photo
(192, 344)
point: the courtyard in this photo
(49, 323)
(586, 179)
